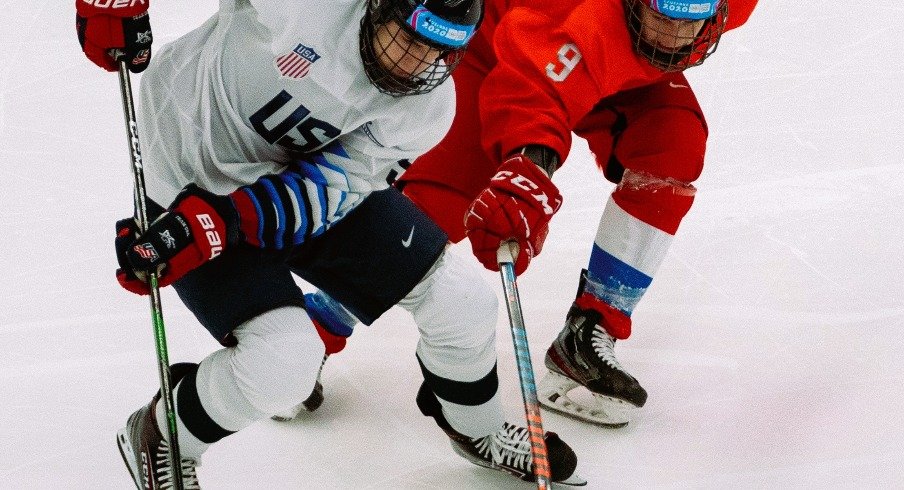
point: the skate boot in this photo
(146, 453)
(582, 355)
(507, 450)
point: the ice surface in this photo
(770, 342)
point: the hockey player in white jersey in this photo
(270, 134)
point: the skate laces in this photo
(507, 447)
(604, 346)
(164, 474)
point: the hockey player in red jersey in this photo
(611, 72)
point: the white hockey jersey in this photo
(264, 82)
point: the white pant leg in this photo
(456, 311)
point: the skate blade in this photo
(282, 418)
(128, 456)
(605, 411)
(573, 481)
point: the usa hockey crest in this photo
(146, 251)
(296, 63)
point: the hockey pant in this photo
(275, 362)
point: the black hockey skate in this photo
(313, 401)
(146, 453)
(582, 355)
(508, 450)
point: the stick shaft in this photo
(140, 197)
(539, 453)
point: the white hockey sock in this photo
(273, 368)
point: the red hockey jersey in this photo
(531, 75)
(535, 90)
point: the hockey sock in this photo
(189, 445)
(273, 367)
(334, 323)
(634, 235)
(472, 408)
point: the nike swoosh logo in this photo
(677, 85)
(407, 242)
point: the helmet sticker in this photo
(437, 29)
(685, 9)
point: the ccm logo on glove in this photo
(527, 185)
(517, 206)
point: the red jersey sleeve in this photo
(519, 103)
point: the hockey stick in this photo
(506, 260)
(140, 196)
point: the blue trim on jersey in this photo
(260, 215)
(313, 173)
(291, 180)
(616, 282)
(280, 213)
(340, 151)
(337, 149)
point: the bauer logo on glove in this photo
(196, 229)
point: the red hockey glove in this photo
(517, 205)
(197, 228)
(123, 25)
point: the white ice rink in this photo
(771, 342)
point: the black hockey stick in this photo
(539, 455)
(140, 196)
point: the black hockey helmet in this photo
(676, 34)
(396, 34)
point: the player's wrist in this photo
(541, 156)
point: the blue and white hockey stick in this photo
(539, 455)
